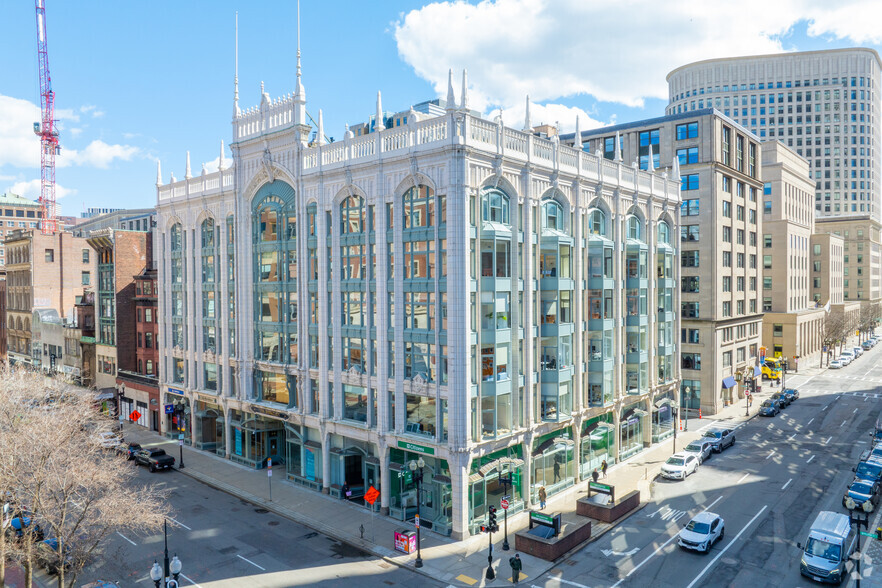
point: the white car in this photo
(107, 440)
(702, 532)
(846, 357)
(679, 466)
(836, 364)
(857, 351)
(700, 448)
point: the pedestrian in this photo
(542, 497)
(595, 474)
(556, 470)
(516, 566)
(345, 492)
(603, 466)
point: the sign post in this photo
(504, 504)
(269, 476)
(371, 497)
(181, 444)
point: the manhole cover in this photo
(273, 523)
(261, 510)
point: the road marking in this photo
(191, 581)
(667, 514)
(825, 408)
(466, 580)
(784, 487)
(609, 552)
(810, 459)
(791, 436)
(251, 562)
(843, 424)
(742, 478)
(828, 440)
(810, 422)
(180, 524)
(722, 551)
(126, 538)
(660, 547)
(770, 454)
(562, 581)
(854, 411)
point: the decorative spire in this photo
(650, 165)
(320, 133)
(298, 89)
(464, 103)
(222, 162)
(411, 115)
(204, 171)
(158, 173)
(675, 169)
(173, 180)
(451, 97)
(236, 75)
(618, 148)
(577, 142)
(378, 123)
(299, 92)
(527, 126)
(187, 174)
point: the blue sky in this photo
(141, 82)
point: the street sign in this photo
(416, 521)
(371, 495)
(181, 436)
(865, 534)
(269, 467)
(504, 504)
(181, 442)
(169, 409)
(135, 415)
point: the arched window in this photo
(633, 227)
(352, 215)
(553, 216)
(419, 207)
(597, 222)
(664, 233)
(208, 233)
(269, 221)
(176, 237)
(494, 206)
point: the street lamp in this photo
(688, 391)
(855, 518)
(416, 467)
(172, 568)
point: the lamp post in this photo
(855, 518)
(417, 468)
(688, 391)
(506, 482)
(172, 568)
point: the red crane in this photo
(47, 131)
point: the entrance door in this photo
(352, 470)
(371, 476)
(154, 421)
(429, 497)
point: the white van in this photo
(829, 544)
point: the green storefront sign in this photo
(602, 488)
(539, 517)
(414, 447)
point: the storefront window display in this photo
(303, 462)
(491, 478)
(209, 422)
(257, 438)
(631, 425)
(554, 464)
(436, 505)
(178, 421)
(598, 443)
(355, 463)
(663, 417)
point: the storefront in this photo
(554, 463)
(303, 456)
(727, 388)
(631, 427)
(257, 438)
(354, 463)
(598, 444)
(177, 415)
(435, 497)
(209, 422)
(663, 416)
(491, 478)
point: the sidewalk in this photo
(461, 563)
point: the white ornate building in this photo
(448, 288)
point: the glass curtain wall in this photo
(665, 291)
(598, 443)
(598, 338)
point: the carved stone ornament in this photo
(267, 163)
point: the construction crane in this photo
(47, 131)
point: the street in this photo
(768, 487)
(226, 542)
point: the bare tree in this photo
(78, 492)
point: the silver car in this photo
(700, 448)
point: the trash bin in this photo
(405, 541)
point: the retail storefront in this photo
(258, 436)
(177, 415)
(209, 422)
(727, 390)
(492, 477)
(631, 426)
(598, 443)
(554, 463)
(355, 463)
(303, 457)
(436, 505)
(663, 417)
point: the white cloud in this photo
(97, 154)
(75, 132)
(548, 114)
(31, 189)
(615, 51)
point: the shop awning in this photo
(662, 401)
(728, 382)
(106, 395)
(498, 463)
(596, 425)
(549, 442)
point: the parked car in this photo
(859, 492)
(679, 466)
(128, 450)
(155, 459)
(836, 364)
(870, 471)
(867, 345)
(769, 408)
(858, 351)
(780, 398)
(49, 558)
(107, 440)
(702, 532)
(700, 448)
(846, 356)
(18, 526)
(720, 438)
(791, 394)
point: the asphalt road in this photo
(768, 487)
(225, 542)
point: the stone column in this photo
(385, 481)
(460, 464)
(326, 461)
(228, 433)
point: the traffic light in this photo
(491, 519)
